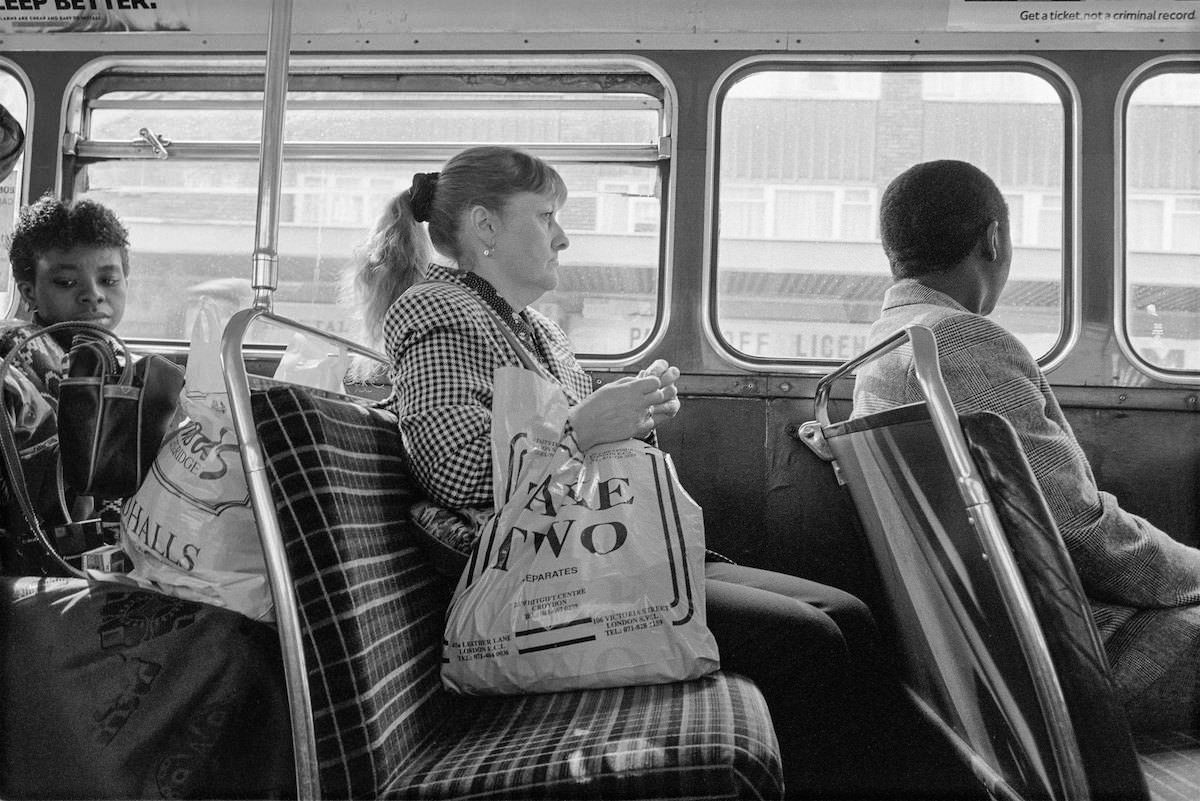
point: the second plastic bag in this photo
(312, 364)
(591, 571)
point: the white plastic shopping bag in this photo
(591, 571)
(190, 531)
(312, 363)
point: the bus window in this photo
(354, 135)
(1162, 221)
(14, 100)
(804, 155)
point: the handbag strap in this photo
(101, 334)
(16, 473)
(8, 443)
(77, 326)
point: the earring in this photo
(487, 252)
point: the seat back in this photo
(994, 634)
(359, 608)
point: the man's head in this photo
(70, 261)
(933, 215)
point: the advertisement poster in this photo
(1046, 16)
(63, 16)
(193, 16)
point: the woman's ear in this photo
(482, 224)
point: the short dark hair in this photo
(53, 224)
(933, 213)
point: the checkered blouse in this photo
(445, 346)
(1126, 565)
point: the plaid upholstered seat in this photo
(372, 610)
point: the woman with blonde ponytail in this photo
(492, 215)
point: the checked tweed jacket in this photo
(445, 346)
(1143, 585)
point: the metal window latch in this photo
(157, 142)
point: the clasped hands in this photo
(628, 407)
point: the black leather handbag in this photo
(113, 414)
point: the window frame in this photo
(1145, 71)
(1058, 78)
(76, 151)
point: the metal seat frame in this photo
(941, 582)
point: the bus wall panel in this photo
(768, 500)
(1150, 460)
(814, 526)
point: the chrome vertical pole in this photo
(265, 276)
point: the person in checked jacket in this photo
(491, 215)
(945, 229)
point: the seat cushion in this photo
(706, 738)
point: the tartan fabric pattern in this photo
(369, 608)
(1128, 567)
(445, 347)
(707, 738)
(373, 609)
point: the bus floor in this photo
(1171, 764)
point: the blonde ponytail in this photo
(392, 259)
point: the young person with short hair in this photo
(945, 229)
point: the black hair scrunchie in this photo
(424, 184)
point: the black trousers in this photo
(813, 651)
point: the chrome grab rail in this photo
(265, 260)
(291, 638)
